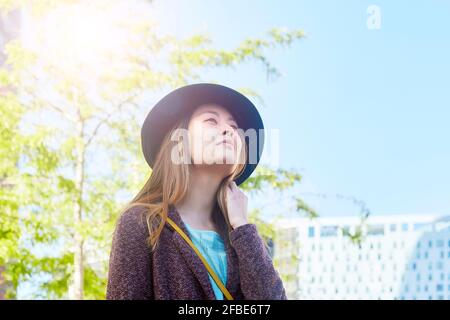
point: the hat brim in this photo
(165, 114)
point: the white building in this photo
(401, 257)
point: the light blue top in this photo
(212, 247)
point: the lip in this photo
(226, 142)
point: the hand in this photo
(236, 205)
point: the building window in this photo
(345, 230)
(430, 244)
(404, 227)
(328, 231)
(418, 226)
(440, 243)
(439, 287)
(311, 232)
(375, 230)
(393, 227)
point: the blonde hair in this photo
(168, 184)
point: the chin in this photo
(227, 161)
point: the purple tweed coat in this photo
(173, 271)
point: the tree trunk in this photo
(78, 276)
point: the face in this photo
(214, 137)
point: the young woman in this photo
(192, 139)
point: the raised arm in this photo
(259, 279)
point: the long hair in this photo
(168, 184)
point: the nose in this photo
(227, 130)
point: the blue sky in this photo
(361, 112)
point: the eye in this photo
(211, 120)
(234, 127)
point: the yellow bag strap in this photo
(219, 283)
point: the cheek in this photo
(240, 154)
(201, 139)
(239, 144)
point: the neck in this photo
(197, 205)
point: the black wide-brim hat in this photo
(182, 101)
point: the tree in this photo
(81, 92)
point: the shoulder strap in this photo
(219, 283)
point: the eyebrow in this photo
(213, 112)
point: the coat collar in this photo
(196, 265)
